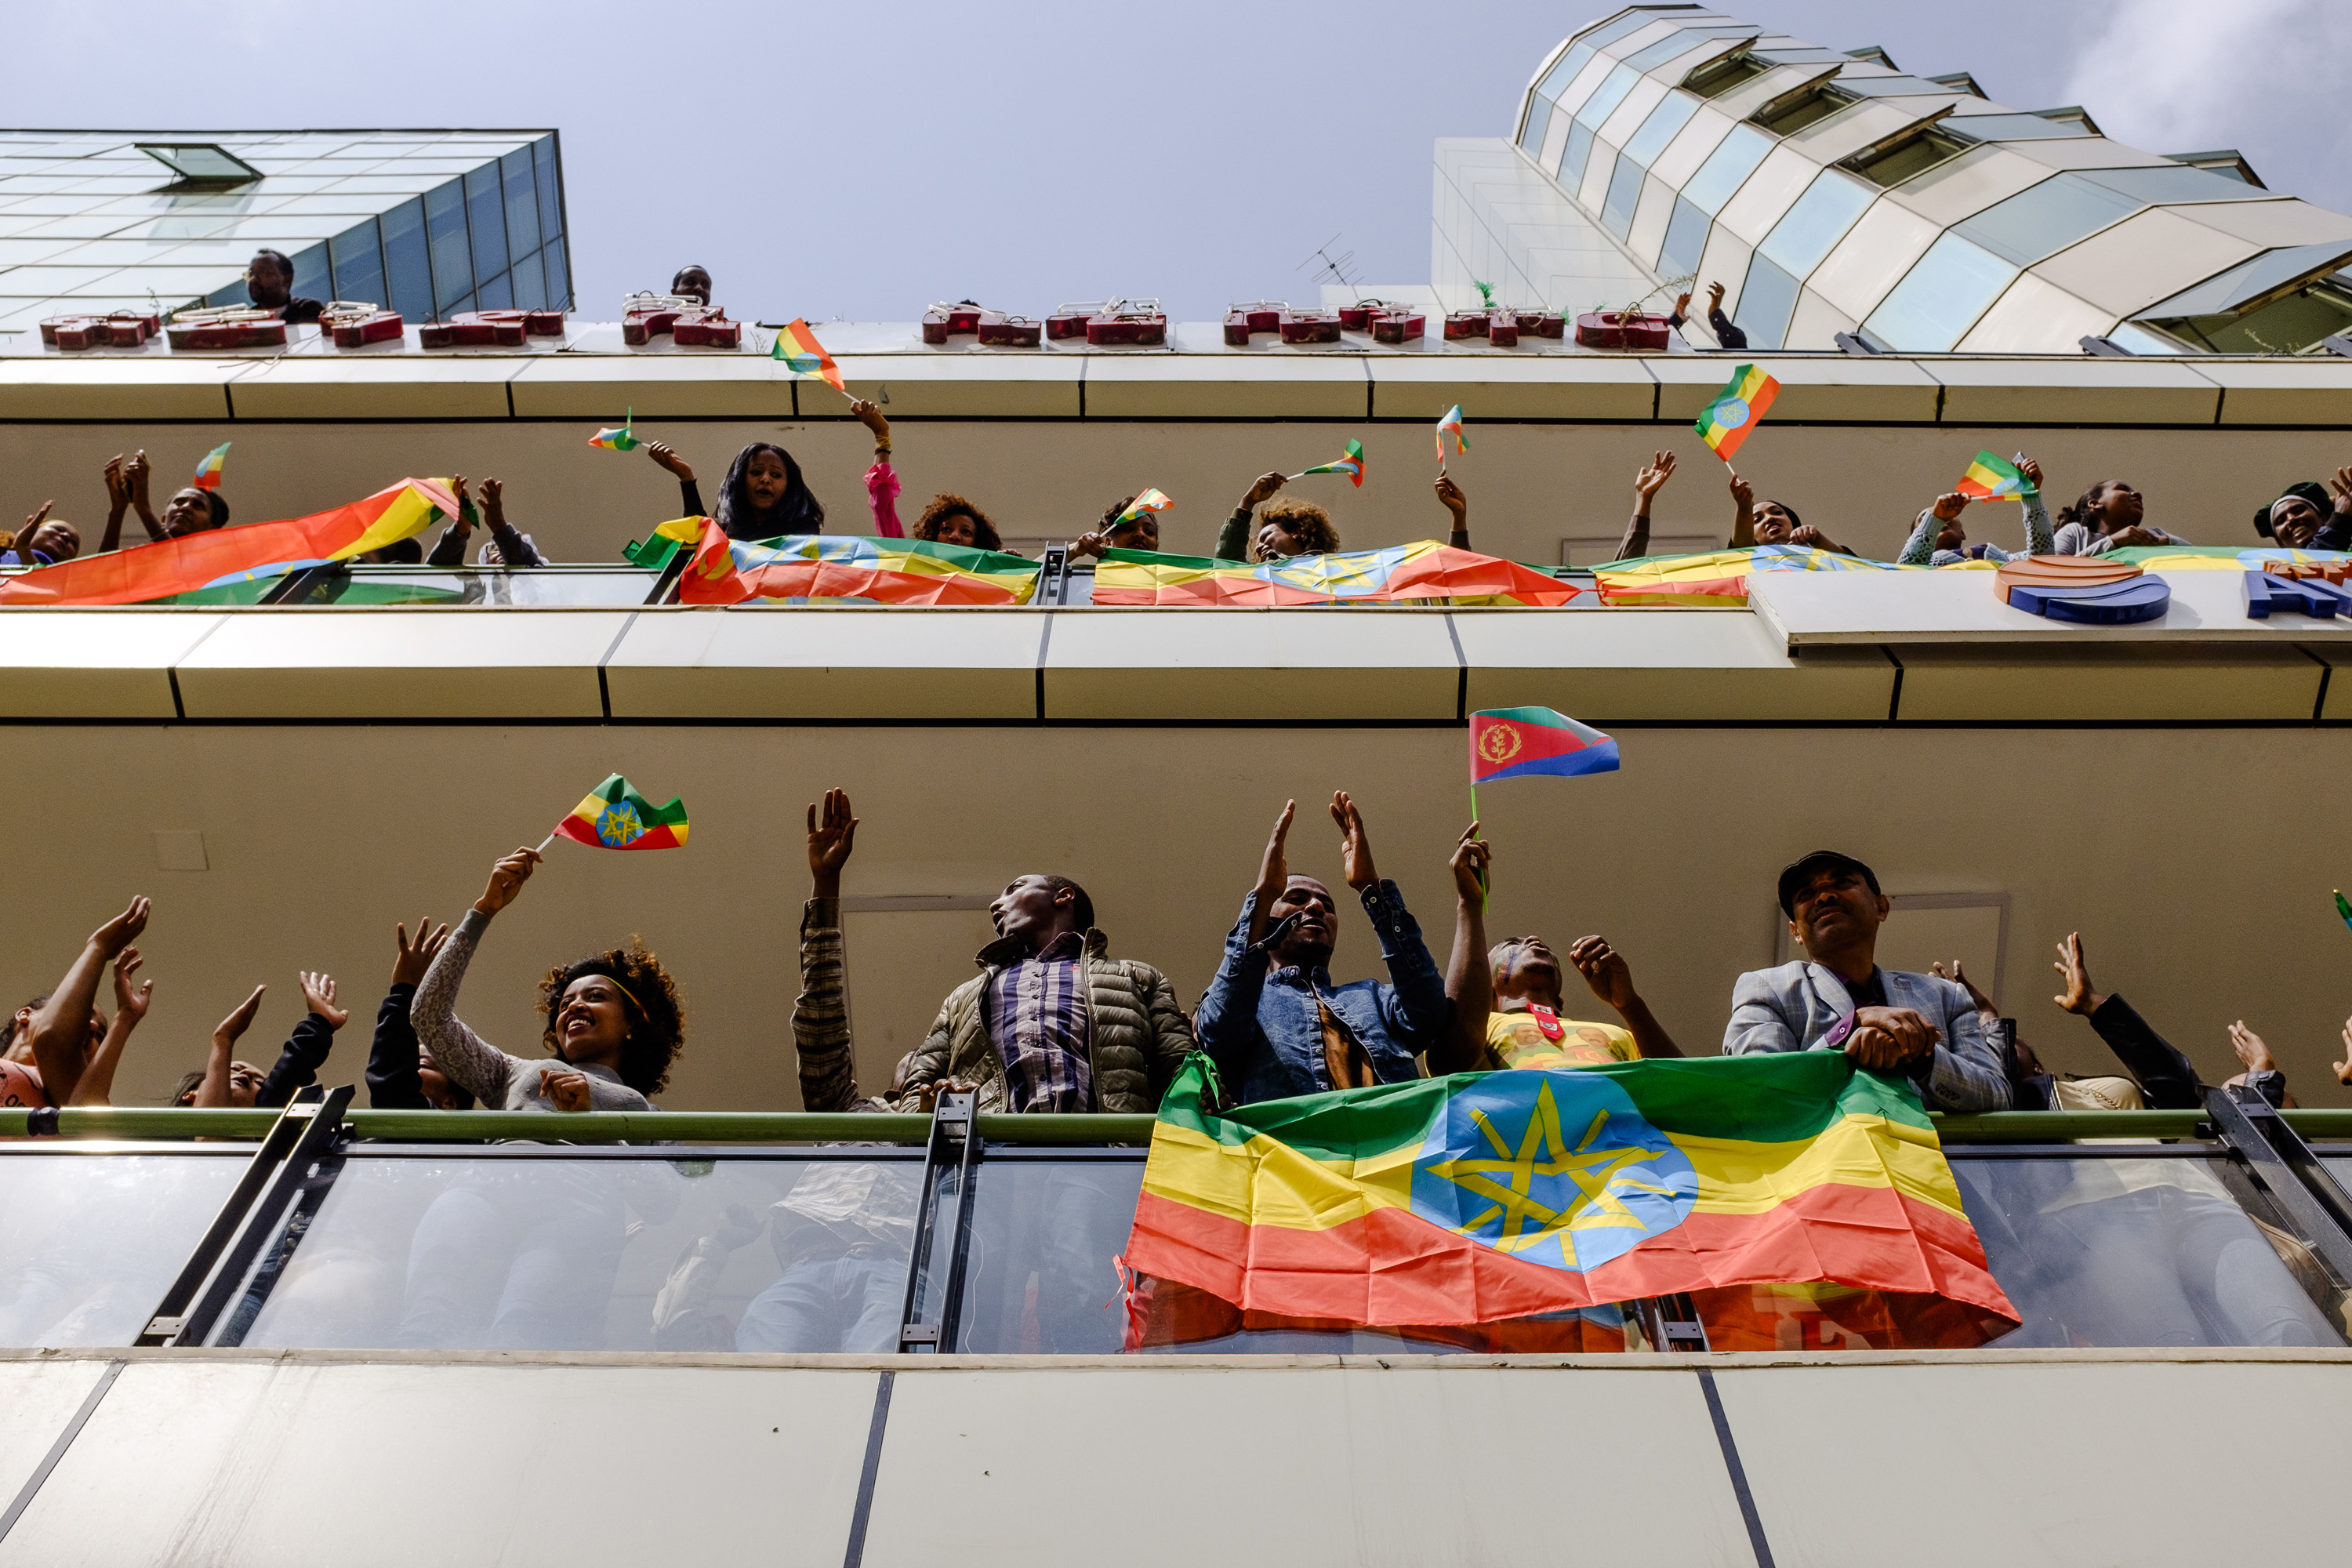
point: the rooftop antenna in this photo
(1332, 269)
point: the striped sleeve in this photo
(828, 1068)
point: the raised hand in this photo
(494, 498)
(127, 1000)
(1089, 544)
(2033, 472)
(1450, 495)
(1605, 970)
(1950, 505)
(1262, 492)
(1272, 870)
(32, 525)
(1355, 846)
(507, 879)
(118, 483)
(2250, 1048)
(135, 474)
(1959, 976)
(2344, 1067)
(2340, 486)
(2078, 997)
(414, 958)
(318, 995)
(1472, 855)
(1743, 493)
(569, 1090)
(233, 1027)
(1715, 296)
(830, 839)
(1652, 480)
(1682, 305)
(122, 930)
(665, 454)
(870, 414)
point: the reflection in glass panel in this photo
(2047, 218)
(312, 279)
(92, 1241)
(1044, 1234)
(1818, 220)
(543, 176)
(1940, 298)
(559, 280)
(1539, 121)
(522, 1253)
(522, 202)
(358, 264)
(1765, 302)
(1624, 191)
(1673, 113)
(529, 283)
(372, 586)
(1685, 243)
(2134, 1253)
(1612, 93)
(1726, 168)
(1572, 156)
(498, 294)
(486, 213)
(453, 262)
(408, 266)
(1556, 79)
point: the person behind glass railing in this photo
(2309, 515)
(2110, 515)
(1509, 1008)
(1273, 1021)
(226, 1082)
(44, 540)
(1726, 334)
(2166, 1080)
(949, 519)
(691, 282)
(1939, 538)
(1837, 998)
(190, 510)
(505, 547)
(1140, 532)
(270, 284)
(21, 1080)
(763, 495)
(1646, 486)
(55, 1035)
(402, 1074)
(1771, 523)
(1282, 528)
(615, 1023)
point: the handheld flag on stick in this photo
(2343, 909)
(1349, 462)
(1449, 433)
(208, 472)
(799, 351)
(1988, 476)
(1726, 422)
(617, 439)
(616, 816)
(1148, 501)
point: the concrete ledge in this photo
(389, 389)
(400, 664)
(1668, 666)
(1245, 665)
(783, 664)
(95, 664)
(118, 390)
(2126, 682)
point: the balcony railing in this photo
(716, 1232)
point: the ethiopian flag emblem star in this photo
(1483, 1196)
(616, 816)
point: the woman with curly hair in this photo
(1282, 528)
(615, 1023)
(951, 519)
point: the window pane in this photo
(559, 276)
(1765, 304)
(92, 1241)
(551, 191)
(1941, 299)
(529, 283)
(522, 202)
(1560, 75)
(2015, 127)
(312, 281)
(453, 264)
(358, 264)
(2181, 184)
(407, 264)
(1573, 155)
(498, 294)
(487, 214)
(1624, 191)
(1677, 44)
(1686, 241)
(2047, 218)
(1818, 221)
(1612, 92)
(1671, 115)
(1539, 121)
(1726, 168)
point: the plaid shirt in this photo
(1039, 1022)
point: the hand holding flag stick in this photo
(1989, 478)
(1349, 462)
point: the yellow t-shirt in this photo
(1517, 1040)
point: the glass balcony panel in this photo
(453, 261)
(373, 587)
(92, 1241)
(1673, 113)
(543, 176)
(358, 264)
(1612, 92)
(1726, 168)
(1686, 240)
(1941, 298)
(1765, 302)
(2134, 1253)
(526, 1252)
(522, 201)
(2048, 218)
(1625, 191)
(1818, 221)
(486, 215)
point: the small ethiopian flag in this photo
(1349, 462)
(208, 472)
(616, 816)
(802, 355)
(1449, 434)
(1726, 422)
(618, 438)
(1148, 501)
(1514, 742)
(1989, 476)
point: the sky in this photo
(861, 161)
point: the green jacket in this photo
(1137, 1036)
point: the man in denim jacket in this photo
(1272, 1020)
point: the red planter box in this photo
(1310, 327)
(1466, 324)
(354, 330)
(1598, 329)
(1399, 326)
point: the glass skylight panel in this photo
(358, 264)
(1671, 115)
(1816, 223)
(522, 202)
(1685, 242)
(1941, 298)
(1766, 303)
(558, 279)
(2180, 183)
(200, 160)
(529, 283)
(1623, 27)
(2047, 218)
(1572, 155)
(1612, 93)
(1531, 135)
(1560, 75)
(408, 269)
(486, 216)
(498, 294)
(551, 191)
(1624, 194)
(1726, 168)
(452, 263)
(1678, 44)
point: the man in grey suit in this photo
(1837, 998)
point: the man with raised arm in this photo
(1837, 998)
(1272, 1020)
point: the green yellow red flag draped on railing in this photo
(1399, 575)
(844, 569)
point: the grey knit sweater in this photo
(498, 1080)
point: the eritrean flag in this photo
(619, 438)
(208, 472)
(1988, 476)
(1514, 742)
(1726, 422)
(616, 816)
(844, 569)
(1349, 462)
(1398, 575)
(800, 354)
(1449, 434)
(1490, 1195)
(1148, 501)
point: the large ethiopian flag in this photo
(1490, 1195)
